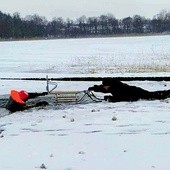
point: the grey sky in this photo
(76, 8)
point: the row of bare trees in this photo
(34, 26)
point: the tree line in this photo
(35, 26)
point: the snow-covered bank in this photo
(87, 56)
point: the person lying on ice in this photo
(17, 100)
(123, 92)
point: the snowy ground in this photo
(94, 136)
(87, 56)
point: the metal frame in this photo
(70, 96)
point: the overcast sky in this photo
(76, 8)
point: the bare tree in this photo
(127, 25)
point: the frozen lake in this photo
(121, 55)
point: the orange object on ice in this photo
(19, 97)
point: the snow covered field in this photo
(94, 136)
(86, 56)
